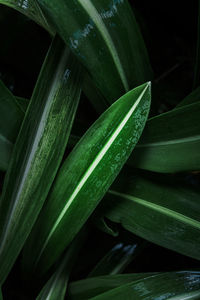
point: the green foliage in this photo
(38, 150)
(148, 286)
(86, 174)
(82, 195)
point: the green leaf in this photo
(117, 259)
(23, 103)
(12, 110)
(31, 9)
(105, 37)
(10, 122)
(1, 296)
(156, 208)
(102, 225)
(94, 95)
(191, 98)
(56, 286)
(170, 142)
(173, 286)
(86, 175)
(38, 150)
(90, 287)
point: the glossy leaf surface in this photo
(170, 142)
(86, 288)
(31, 9)
(86, 175)
(11, 117)
(38, 150)
(158, 209)
(174, 285)
(104, 36)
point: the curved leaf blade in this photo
(10, 122)
(86, 174)
(23, 103)
(172, 285)
(90, 287)
(163, 211)
(117, 259)
(31, 9)
(191, 98)
(38, 150)
(104, 36)
(56, 286)
(170, 142)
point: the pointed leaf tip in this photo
(87, 174)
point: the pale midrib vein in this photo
(37, 138)
(96, 18)
(166, 211)
(91, 168)
(171, 142)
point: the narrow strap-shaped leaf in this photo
(105, 37)
(86, 175)
(195, 295)
(94, 95)
(11, 116)
(160, 210)
(170, 142)
(117, 259)
(23, 103)
(90, 287)
(56, 286)
(191, 98)
(38, 151)
(162, 286)
(10, 122)
(31, 9)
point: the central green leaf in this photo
(86, 175)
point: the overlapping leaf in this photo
(161, 210)
(117, 259)
(86, 175)
(38, 150)
(10, 122)
(56, 286)
(105, 37)
(170, 142)
(12, 112)
(173, 286)
(191, 98)
(31, 9)
(90, 287)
